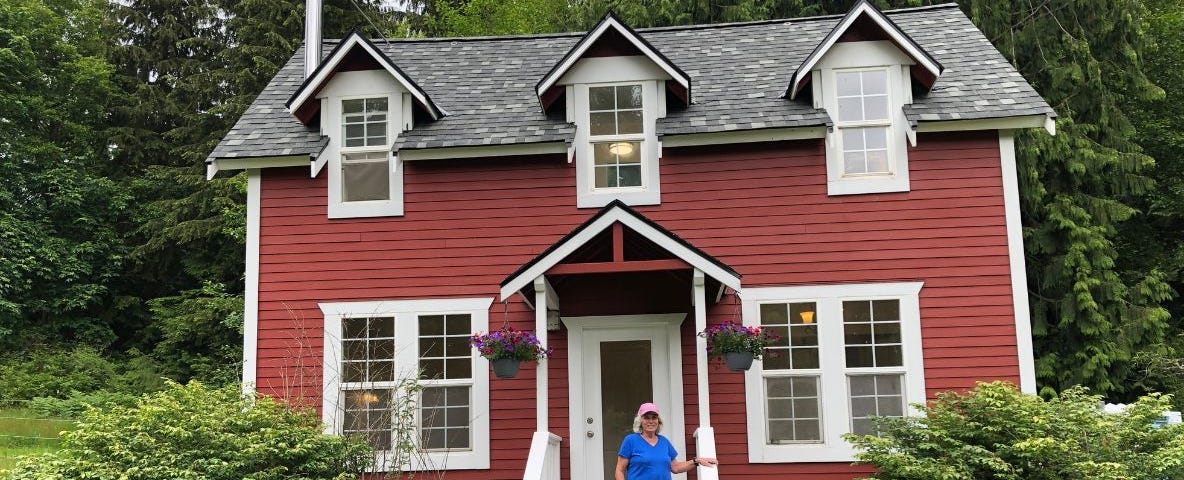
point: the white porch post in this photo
(699, 286)
(705, 434)
(544, 297)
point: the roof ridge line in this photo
(700, 26)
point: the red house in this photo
(846, 181)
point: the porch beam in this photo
(699, 287)
(619, 267)
(543, 297)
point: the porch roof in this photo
(614, 213)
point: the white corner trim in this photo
(617, 214)
(743, 136)
(330, 66)
(251, 290)
(411, 155)
(832, 371)
(1015, 254)
(898, 37)
(587, 42)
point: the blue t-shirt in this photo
(647, 462)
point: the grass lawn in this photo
(22, 433)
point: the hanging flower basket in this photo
(507, 348)
(737, 344)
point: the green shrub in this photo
(996, 432)
(53, 373)
(76, 404)
(191, 432)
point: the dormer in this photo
(615, 86)
(863, 73)
(362, 101)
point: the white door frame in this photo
(676, 419)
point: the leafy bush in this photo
(191, 432)
(996, 432)
(77, 404)
(53, 373)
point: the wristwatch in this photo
(696, 462)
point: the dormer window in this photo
(616, 131)
(863, 121)
(365, 161)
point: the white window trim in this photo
(836, 410)
(354, 86)
(866, 56)
(615, 71)
(406, 314)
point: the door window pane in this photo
(626, 381)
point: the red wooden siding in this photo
(761, 208)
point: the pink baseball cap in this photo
(647, 408)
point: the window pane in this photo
(863, 406)
(857, 311)
(458, 368)
(804, 335)
(888, 384)
(606, 177)
(352, 106)
(857, 334)
(430, 347)
(629, 96)
(459, 325)
(802, 313)
(432, 369)
(353, 327)
(365, 181)
(847, 84)
(376, 104)
(353, 350)
(805, 386)
(602, 155)
(862, 426)
(875, 107)
(863, 385)
(889, 356)
(886, 310)
(600, 98)
(629, 176)
(886, 332)
(629, 122)
(353, 372)
(367, 415)
(853, 163)
(603, 124)
(852, 139)
(805, 408)
(877, 161)
(858, 357)
(850, 109)
(457, 347)
(804, 358)
(875, 82)
(807, 430)
(444, 418)
(774, 314)
(382, 349)
(889, 407)
(431, 325)
(874, 395)
(775, 360)
(381, 371)
(354, 134)
(876, 138)
(782, 332)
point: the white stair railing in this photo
(543, 462)
(705, 447)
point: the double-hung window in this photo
(847, 354)
(863, 121)
(616, 132)
(374, 350)
(365, 150)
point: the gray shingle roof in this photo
(739, 72)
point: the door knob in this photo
(590, 434)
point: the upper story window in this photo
(373, 348)
(363, 112)
(864, 87)
(847, 354)
(616, 132)
(863, 121)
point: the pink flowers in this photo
(508, 343)
(733, 337)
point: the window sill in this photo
(802, 453)
(861, 185)
(597, 199)
(375, 208)
(384, 462)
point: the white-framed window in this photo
(363, 112)
(371, 348)
(615, 103)
(847, 353)
(864, 86)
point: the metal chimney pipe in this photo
(312, 36)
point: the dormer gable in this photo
(864, 22)
(354, 53)
(612, 38)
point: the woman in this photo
(645, 455)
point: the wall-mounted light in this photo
(621, 149)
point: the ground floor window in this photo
(374, 350)
(847, 354)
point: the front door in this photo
(622, 362)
